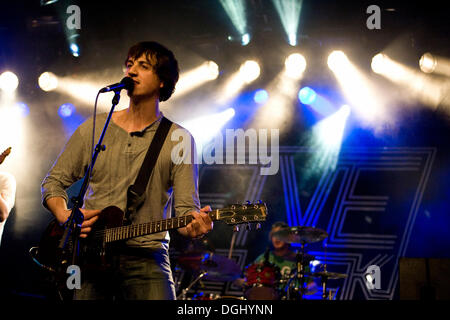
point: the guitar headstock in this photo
(243, 213)
(4, 154)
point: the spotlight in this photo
(22, 109)
(337, 60)
(205, 128)
(378, 64)
(8, 81)
(66, 110)
(75, 50)
(235, 10)
(295, 65)
(261, 96)
(289, 13)
(427, 63)
(293, 39)
(211, 70)
(307, 95)
(245, 39)
(48, 81)
(249, 71)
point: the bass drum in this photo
(262, 281)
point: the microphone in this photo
(125, 83)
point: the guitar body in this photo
(94, 253)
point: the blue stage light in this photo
(22, 109)
(74, 49)
(261, 96)
(66, 110)
(307, 95)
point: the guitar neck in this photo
(142, 229)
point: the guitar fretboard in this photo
(137, 230)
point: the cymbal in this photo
(300, 234)
(217, 268)
(329, 275)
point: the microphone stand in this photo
(73, 223)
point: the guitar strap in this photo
(136, 192)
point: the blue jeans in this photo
(140, 274)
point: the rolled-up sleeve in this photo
(68, 168)
(185, 179)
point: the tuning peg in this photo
(248, 202)
(258, 226)
(259, 202)
(236, 229)
(248, 227)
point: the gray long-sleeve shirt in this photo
(116, 169)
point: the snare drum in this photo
(262, 281)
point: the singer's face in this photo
(141, 70)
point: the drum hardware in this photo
(325, 276)
(302, 235)
(208, 266)
(182, 295)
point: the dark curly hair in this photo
(166, 67)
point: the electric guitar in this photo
(96, 250)
(4, 154)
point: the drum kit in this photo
(262, 280)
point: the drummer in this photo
(282, 256)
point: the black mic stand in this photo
(73, 223)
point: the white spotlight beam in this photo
(289, 13)
(192, 79)
(248, 72)
(357, 89)
(235, 9)
(429, 91)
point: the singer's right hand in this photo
(58, 207)
(90, 217)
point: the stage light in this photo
(261, 96)
(427, 63)
(48, 81)
(211, 70)
(307, 95)
(330, 130)
(47, 2)
(66, 110)
(75, 49)
(337, 60)
(327, 140)
(378, 64)
(249, 71)
(292, 39)
(289, 13)
(360, 91)
(21, 109)
(245, 39)
(295, 65)
(8, 81)
(235, 10)
(431, 91)
(205, 128)
(430, 63)
(207, 71)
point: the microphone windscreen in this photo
(128, 83)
